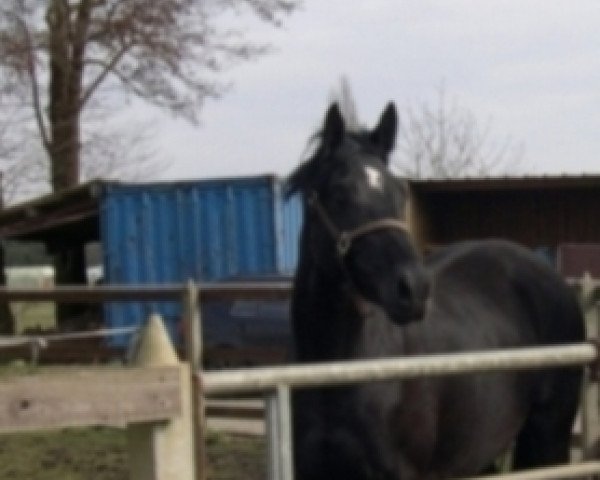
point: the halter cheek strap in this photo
(344, 239)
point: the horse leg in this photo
(545, 437)
(490, 470)
(500, 465)
(540, 445)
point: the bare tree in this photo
(163, 51)
(8, 146)
(59, 55)
(448, 141)
(111, 148)
(124, 153)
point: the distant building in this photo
(213, 230)
(555, 215)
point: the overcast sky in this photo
(531, 66)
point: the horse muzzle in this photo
(409, 299)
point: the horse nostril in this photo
(413, 287)
(425, 289)
(403, 288)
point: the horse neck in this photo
(326, 321)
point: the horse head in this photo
(355, 226)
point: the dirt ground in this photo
(101, 454)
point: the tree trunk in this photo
(64, 157)
(67, 31)
(7, 321)
(64, 97)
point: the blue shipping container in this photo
(206, 230)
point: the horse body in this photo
(470, 296)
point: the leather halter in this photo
(344, 239)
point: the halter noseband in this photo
(344, 239)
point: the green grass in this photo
(101, 454)
(78, 454)
(236, 457)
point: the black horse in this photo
(362, 291)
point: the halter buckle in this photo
(344, 243)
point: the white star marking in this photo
(374, 178)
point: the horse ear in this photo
(333, 128)
(331, 136)
(384, 134)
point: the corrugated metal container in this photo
(206, 230)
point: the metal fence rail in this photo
(578, 470)
(175, 291)
(276, 382)
(334, 373)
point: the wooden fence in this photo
(161, 400)
(158, 399)
(152, 399)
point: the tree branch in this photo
(447, 141)
(107, 68)
(33, 78)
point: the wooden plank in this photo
(232, 411)
(159, 292)
(83, 397)
(193, 337)
(241, 408)
(96, 294)
(274, 290)
(590, 399)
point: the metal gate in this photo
(276, 382)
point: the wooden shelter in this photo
(555, 215)
(535, 211)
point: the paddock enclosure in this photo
(554, 216)
(162, 400)
(243, 229)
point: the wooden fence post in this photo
(590, 398)
(193, 337)
(162, 451)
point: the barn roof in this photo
(542, 182)
(72, 215)
(67, 216)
